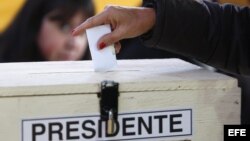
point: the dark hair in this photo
(18, 42)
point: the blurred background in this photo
(40, 30)
(9, 8)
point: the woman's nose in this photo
(70, 43)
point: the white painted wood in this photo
(63, 89)
(78, 77)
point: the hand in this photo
(126, 22)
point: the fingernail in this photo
(102, 45)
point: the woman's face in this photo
(56, 43)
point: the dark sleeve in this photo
(218, 35)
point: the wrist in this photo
(150, 16)
(147, 18)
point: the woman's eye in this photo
(65, 28)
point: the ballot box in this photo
(162, 100)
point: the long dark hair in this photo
(18, 43)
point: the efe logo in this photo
(236, 132)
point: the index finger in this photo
(90, 22)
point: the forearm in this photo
(213, 34)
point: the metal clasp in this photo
(109, 104)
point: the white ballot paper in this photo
(104, 59)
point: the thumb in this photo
(109, 39)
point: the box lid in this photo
(78, 77)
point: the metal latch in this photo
(109, 104)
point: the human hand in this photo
(126, 22)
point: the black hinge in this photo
(109, 103)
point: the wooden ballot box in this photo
(163, 100)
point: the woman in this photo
(41, 32)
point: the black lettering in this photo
(36, 132)
(148, 126)
(126, 126)
(100, 128)
(69, 129)
(172, 123)
(91, 130)
(161, 122)
(58, 131)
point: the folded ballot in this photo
(105, 59)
